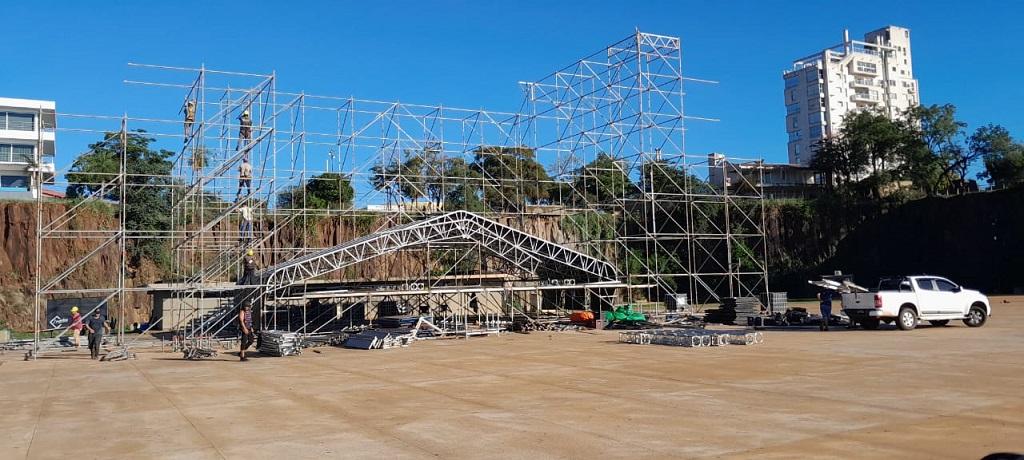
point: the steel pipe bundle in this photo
(280, 343)
(692, 338)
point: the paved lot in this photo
(948, 392)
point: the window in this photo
(812, 90)
(792, 81)
(815, 131)
(17, 121)
(869, 67)
(16, 153)
(926, 284)
(14, 182)
(792, 108)
(945, 286)
(794, 124)
(795, 136)
(811, 74)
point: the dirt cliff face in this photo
(18, 261)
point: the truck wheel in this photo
(939, 322)
(870, 324)
(907, 319)
(976, 317)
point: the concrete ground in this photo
(950, 392)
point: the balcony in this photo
(864, 97)
(863, 83)
(864, 68)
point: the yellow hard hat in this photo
(74, 309)
(249, 252)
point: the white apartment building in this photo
(27, 145)
(821, 89)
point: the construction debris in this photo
(693, 338)
(119, 354)
(735, 310)
(380, 340)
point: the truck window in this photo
(945, 286)
(889, 284)
(926, 284)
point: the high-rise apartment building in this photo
(823, 88)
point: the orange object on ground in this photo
(582, 317)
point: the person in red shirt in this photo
(76, 326)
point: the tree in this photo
(1003, 157)
(511, 175)
(940, 158)
(324, 191)
(147, 187)
(602, 181)
(864, 150)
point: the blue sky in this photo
(471, 54)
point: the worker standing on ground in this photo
(245, 327)
(248, 269)
(245, 225)
(76, 326)
(244, 128)
(244, 178)
(190, 118)
(825, 298)
(97, 326)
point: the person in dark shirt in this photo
(825, 298)
(248, 269)
(245, 328)
(96, 326)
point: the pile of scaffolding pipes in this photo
(693, 338)
(280, 343)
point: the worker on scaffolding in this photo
(244, 129)
(245, 225)
(248, 269)
(245, 328)
(244, 178)
(190, 118)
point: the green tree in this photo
(1002, 155)
(324, 191)
(864, 150)
(147, 187)
(603, 181)
(512, 177)
(940, 157)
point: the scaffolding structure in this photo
(615, 186)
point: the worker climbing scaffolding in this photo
(190, 118)
(244, 130)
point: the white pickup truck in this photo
(910, 299)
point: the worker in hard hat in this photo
(248, 269)
(244, 128)
(190, 118)
(76, 326)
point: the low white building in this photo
(775, 180)
(27, 146)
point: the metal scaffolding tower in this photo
(616, 186)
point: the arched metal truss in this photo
(524, 251)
